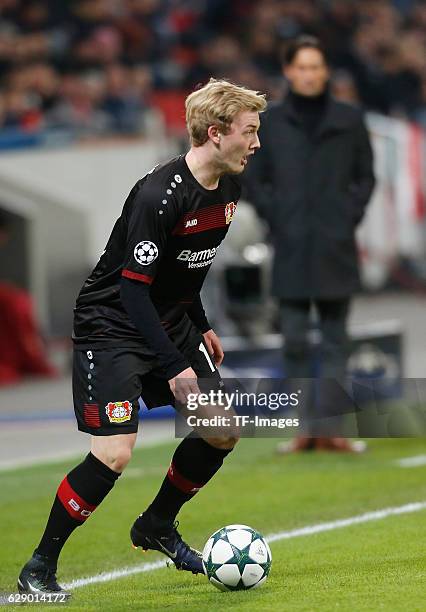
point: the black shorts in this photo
(107, 383)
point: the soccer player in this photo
(140, 329)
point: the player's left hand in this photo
(214, 346)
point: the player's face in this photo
(308, 73)
(240, 142)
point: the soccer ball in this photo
(145, 252)
(236, 557)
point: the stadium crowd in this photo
(94, 66)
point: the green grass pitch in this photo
(379, 565)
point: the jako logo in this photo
(191, 223)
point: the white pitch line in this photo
(108, 576)
(409, 462)
(274, 537)
(353, 520)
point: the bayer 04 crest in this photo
(236, 557)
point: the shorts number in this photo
(203, 349)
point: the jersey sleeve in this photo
(197, 315)
(151, 221)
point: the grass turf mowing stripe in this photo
(408, 462)
(274, 537)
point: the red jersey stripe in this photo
(136, 276)
(204, 219)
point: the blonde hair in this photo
(217, 103)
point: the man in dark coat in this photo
(311, 181)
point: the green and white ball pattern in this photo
(236, 557)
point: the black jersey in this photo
(167, 236)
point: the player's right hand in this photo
(184, 383)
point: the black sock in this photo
(194, 463)
(80, 492)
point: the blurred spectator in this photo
(419, 114)
(23, 352)
(381, 44)
(311, 181)
(217, 58)
(343, 87)
(78, 106)
(121, 101)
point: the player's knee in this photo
(117, 459)
(121, 458)
(114, 451)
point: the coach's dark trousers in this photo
(319, 356)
